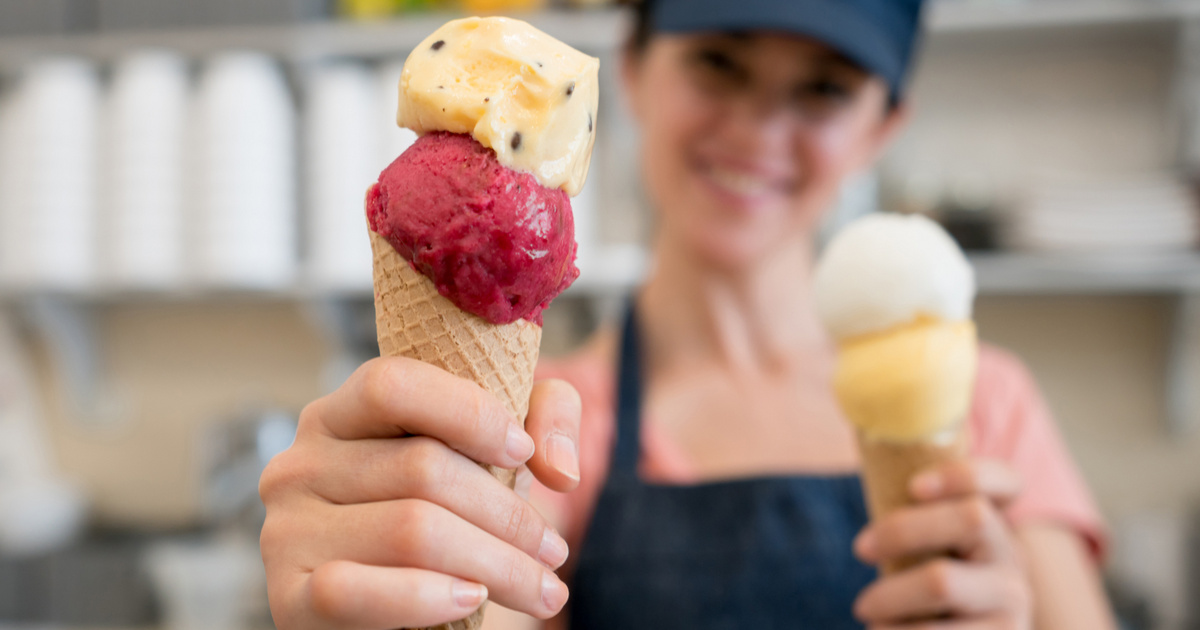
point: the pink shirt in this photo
(1009, 421)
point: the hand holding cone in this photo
(896, 294)
(471, 227)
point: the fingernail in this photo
(926, 485)
(864, 546)
(562, 455)
(553, 552)
(518, 445)
(554, 592)
(468, 594)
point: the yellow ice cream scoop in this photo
(895, 292)
(910, 382)
(529, 97)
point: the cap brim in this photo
(838, 24)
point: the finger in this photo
(968, 527)
(348, 594)
(394, 396)
(524, 483)
(988, 477)
(369, 471)
(940, 587)
(553, 422)
(419, 534)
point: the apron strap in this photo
(629, 398)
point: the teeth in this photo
(740, 183)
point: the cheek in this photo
(673, 118)
(827, 155)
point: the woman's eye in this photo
(717, 70)
(718, 61)
(825, 89)
(823, 98)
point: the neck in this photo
(759, 318)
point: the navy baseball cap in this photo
(878, 35)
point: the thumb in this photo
(990, 478)
(553, 422)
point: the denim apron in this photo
(762, 553)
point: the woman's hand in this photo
(378, 516)
(980, 585)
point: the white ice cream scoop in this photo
(885, 270)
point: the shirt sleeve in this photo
(1010, 422)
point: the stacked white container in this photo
(396, 139)
(342, 142)
(146, 123)
(48, 161)
(585, 217)
(10, 188)
(245, 184)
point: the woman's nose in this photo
(761, 125)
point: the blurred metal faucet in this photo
(234, 453)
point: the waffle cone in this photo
(413, 320)
(887, 469)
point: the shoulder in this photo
(1010, 421)
(1006, 396)
(1001, 373)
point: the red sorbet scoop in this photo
(494, 241)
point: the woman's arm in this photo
(1067, 592)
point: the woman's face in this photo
(746, 138)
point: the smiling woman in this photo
(747, 137)
(719, 432)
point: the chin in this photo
(731, 243)
(732, 250)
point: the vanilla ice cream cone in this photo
(896, 294)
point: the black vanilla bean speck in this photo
(516, 140)
(438, 44)
(571, 88)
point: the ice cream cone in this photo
(888, 467)
(895, 292)
(413, 320)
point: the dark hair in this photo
(643, 25)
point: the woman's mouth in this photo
(745, 188)
(740, 183)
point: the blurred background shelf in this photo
(977, 15)
(1026, 273)
(997, 273)
(596, 30)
